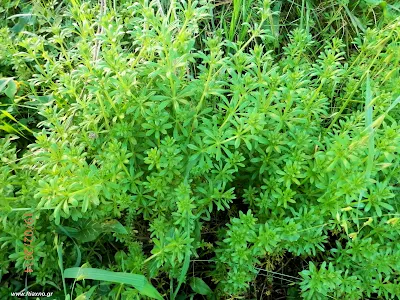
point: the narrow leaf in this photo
(184, 270)
(368, 124)
(8, 115)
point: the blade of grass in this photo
(356, 22)
(302, 14)
(10, 129)
(137, 281)
(368, 124)
(184, 270)
(61, 266)
(234, 19)
(395, 102)
(78, 251)
(186, 262)
(276, 10)
(353, 91)
(8, 115)
(379, 120)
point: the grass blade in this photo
(137, 281)
(380, 119)
(61, 266)
(7, 114)
(395, 102)
(184, 270)
(368, 124)
(354, 20)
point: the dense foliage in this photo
(223, 150)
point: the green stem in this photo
(26, 208)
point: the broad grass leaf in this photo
(138, 281)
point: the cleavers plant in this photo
(168, 143)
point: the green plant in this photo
(174, 148)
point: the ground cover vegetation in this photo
(200, 150)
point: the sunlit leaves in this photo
(221, 149)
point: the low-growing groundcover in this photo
(200, 150)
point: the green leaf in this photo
(368, 124)
(199, 286)
(24, 19)
(87, 295)
(85, 204)
(393, 105)
(113, 226)
(139, 282)
(184, 270)
(11, 89)
(78, 256)
(68, 231)
(356, 22)
(4, 83)
(61, 266)
(20, 15)
(8, 128)
(8, 115)
(90, 230)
